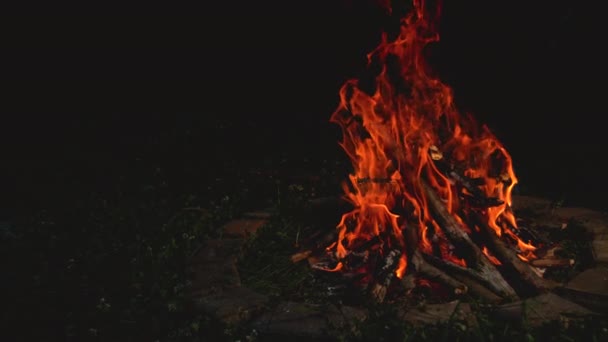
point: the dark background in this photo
(257, 81)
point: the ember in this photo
(431, 189)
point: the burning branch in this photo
(478, 263)
(508, 257)
(423, 268)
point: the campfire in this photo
(431, 189)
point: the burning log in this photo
(478, 263)
(475, 196)
(433, 273)
(508, 257)
(474, 280)
(422, 267)
(386, 275)
(477, 289)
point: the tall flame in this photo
(390, 135)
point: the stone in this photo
(213, 266)
(232, 306)
(242, 228)
(345, 318)
(217, 273)
(590, 288)
(594, 221)
(307, 321)
(217, 248)
(541, 309)
(600, 251)
(439, 313)
(260, 214)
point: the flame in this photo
(395, 134)
(338, 267)
(402, 266)
(490, 256)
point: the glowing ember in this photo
(407, 130)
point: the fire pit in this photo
(431, 189)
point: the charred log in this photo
(509, 257)
(477, 262)
(433, 273)
(422, 267)
(385, 275)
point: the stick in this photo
(300, 256)
(319, 245)
(552, 262)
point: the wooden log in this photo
(433, 273)
(477, 262)
(475, 281)
(508, 257)
(422, 267)
(477, 289)
(552, 262)
(476, 197)
(386, 275)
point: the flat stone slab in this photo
(541, 309)
(259, 214)
(594, 221)
(440, 313)
(243, 228)
(600, 251)
(213, 266)
(218, 273)
(590, 288)
(307, 321)
(213, 249)
(233, 305)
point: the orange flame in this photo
(390, 135)
(490, 256)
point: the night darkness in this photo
(87, 88)
(100, 103)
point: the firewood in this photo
(477, 289)
(476, 197)
(385, 275)
(433, 273)
(379, 292)
(319, 244)
(508, 257)
(475, 281)
(552, 262)
(425, 269)
(477, 262)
